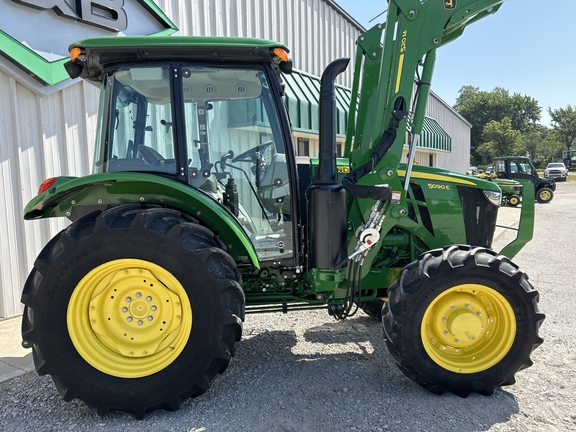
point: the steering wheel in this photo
(250, 155)
(150, 155)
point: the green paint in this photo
(69, 196)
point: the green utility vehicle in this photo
(522, 170)
(199, 211)
(511, 189)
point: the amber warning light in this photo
(46, 185)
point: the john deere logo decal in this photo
(450, 4)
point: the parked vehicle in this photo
(198, 211)
(556, 170)
(522, 169)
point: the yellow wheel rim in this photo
(545, 195)
(129, 318)
(514, 201)
(468, 328)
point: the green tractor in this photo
(522, 170)
(198, 211)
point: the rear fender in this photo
(73, 197)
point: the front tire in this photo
(133, 309)
(462, 319)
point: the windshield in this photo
(556, 165)
(227, 122)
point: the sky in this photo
(526, 47)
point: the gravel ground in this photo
(306, 372)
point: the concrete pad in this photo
(14, 360)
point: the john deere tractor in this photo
(198, 211)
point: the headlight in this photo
(494, 197)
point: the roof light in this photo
(281, 53)
(46, 184)
(74, 53)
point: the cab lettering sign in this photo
(106, 14)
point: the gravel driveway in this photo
(306, 372)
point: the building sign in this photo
(35, 34)
(107, 14)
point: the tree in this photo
(564, 123)
(551, 146)
(531, 141)
(500, 138)
(481, 107)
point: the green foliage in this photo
(499, 139)
(481, 108)
(564, 124)
(551, 146)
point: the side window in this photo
(141, 132)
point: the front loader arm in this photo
(393, 70)
(389, 58)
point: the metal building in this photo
(47, 122)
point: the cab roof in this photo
(99, 53)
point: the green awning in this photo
(301, 98)
(434, 137)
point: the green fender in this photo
(73, 197)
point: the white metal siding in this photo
(458, 129)
(40, 137)
(315, 31)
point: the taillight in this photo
(46, 184)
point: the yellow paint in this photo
(436, 177)
(399, 75)
(468, 328)
(129, 318)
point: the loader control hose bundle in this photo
(382, 193)
(368, 235)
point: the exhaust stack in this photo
(327, 214)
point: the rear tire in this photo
(133, 309)
(513, 200)
(463, 320)
(544, 195)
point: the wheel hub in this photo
(134, 313)
(129, 318)
(468, 328)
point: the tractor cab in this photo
(216, 126)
